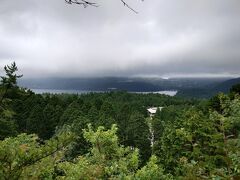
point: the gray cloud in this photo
(51, 38)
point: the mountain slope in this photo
(226, 85)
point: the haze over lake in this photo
(191, 87)
(66, 91)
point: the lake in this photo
(58, 91)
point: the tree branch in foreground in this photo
(86, 3)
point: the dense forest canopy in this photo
(111, 135)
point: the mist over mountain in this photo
(188, 87)
(52, 39)
(210, 89)
(226, 85)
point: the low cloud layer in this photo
(49, 38)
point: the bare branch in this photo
(86, 3)
(129, 7)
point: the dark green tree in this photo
(235, 89)
(122, 118)
(50, 121)
(106, 115)
(8, 91)
(9, 82)
(138, 135)
(79, 146)
(93, 115)
(35, 122)
(72, 112)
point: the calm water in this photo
(169, 93)
(56, 91)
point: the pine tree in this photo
(8, 91)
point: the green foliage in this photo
(35, 121)
(199, 145)
(152, 171)
(190, 142)
(235, 89)
(19, 153)
(8, 128)
(51, 118)
(109, 160)
(10, 80)
(79, 146)
(106, 115)
(71, 113)
(8, 91)
(138, 135)
(192, 139)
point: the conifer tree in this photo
(8, 91)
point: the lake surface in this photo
(169, 93)
(57, 91)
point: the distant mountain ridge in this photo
(186, 87)
(90, 84)
(226, 85)
(209, 90)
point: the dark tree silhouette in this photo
(86, 3)
(82, 2)
(9, 81)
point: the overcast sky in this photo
(49, 38)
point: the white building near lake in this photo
(153, 110)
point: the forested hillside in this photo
(186, 87)
(108, 135)
(208, 90)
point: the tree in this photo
(72, 112)
(9, 82)
(106, 115)
(20, 155)
(93, 115)
(138, 135)
(35, 122)
(109, 160)
(122, 118)
(235, 89)
(23, 107)
(79, 146)
(197, 145)
(8, 128)
(8, 91)
(50, 121)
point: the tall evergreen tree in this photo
(8, 91)
(138, 135)
(35, 122)
(72, 112)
